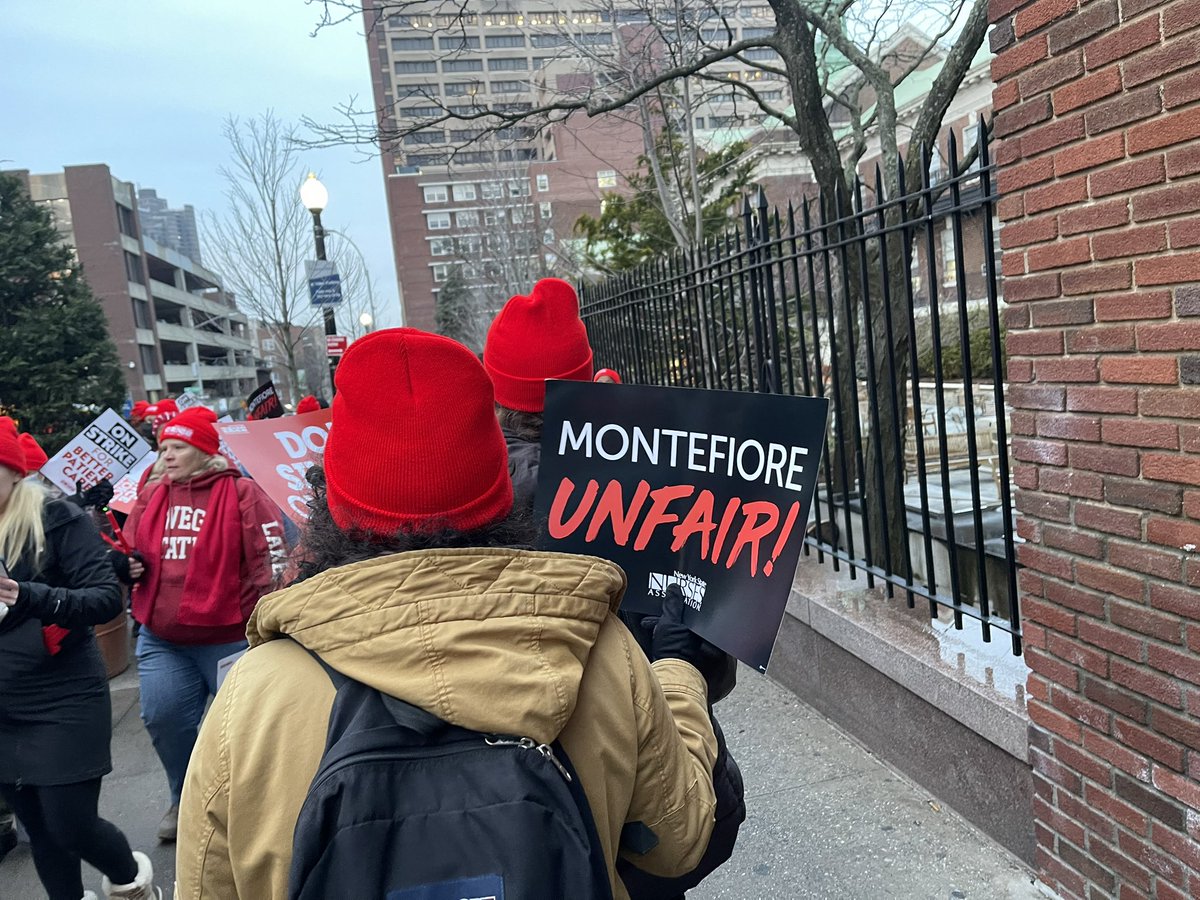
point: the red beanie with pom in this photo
(138, 413)
(12, 454)
(35, 456)
(193, 426)
(307, 404)
(534, 338)
(415, 445)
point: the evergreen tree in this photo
(459, 313)
(58, 367)
(634, 227)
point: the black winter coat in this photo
(523, 458)
(55, 712)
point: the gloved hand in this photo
(670, 638)
(98, 494)
(120, 563)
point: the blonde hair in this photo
(21, 527)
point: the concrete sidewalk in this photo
(826, 818)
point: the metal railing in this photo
(891, 308)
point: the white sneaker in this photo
(90, 895)
(141, 888)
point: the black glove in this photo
(670, 638)
(98, 494)
(120, 564)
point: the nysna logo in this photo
(693, 588)
(181, 431)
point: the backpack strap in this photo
(407, 716)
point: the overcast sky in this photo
(144, 87)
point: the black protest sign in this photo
(264, 403)
(707, 489)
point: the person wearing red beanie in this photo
(35, 456)
(206, 545)
(534, 338)
(55, 709)
(307, 404)
(417, 581)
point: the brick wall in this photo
(1098, 111)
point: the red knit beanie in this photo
(193, 426)
(307, 404)
(415, 444)
(12, 454)
(35, 456)
(138, 413)
(534, 338)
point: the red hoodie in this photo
(204, 593)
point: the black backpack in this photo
(405, 806)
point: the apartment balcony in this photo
(176, 373)
(193, 301)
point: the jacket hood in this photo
(490, 639)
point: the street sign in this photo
(336, 344)
(324, 283)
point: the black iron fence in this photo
(887, 302)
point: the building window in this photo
(464, 192)
(546, 210)
(517, 213)
(458, 42)
(409, 44)
(462, 65)
(515, 64)
(418, 112)
(761, 54)
(543, 182)
(518, 188)
(504, 41)
(441, 272)
(141, 313)
(594, 38)
(126, 221)
(425, 137)
(493, 216)
(436, 194)
(441, 246)
(970, 138)
(606, 178)
(133, 268)
(415, 67)
(548, 237)
(541, 61)
(424, 89)
(463, 89)
(548, 40)
(757, 32)
(492, 190)
(148, 359)
(467, 219)
(437, 221)
(509, 87)
(949, 269)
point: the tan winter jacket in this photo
(494, 640)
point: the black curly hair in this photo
(325, 545)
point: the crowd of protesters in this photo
(415, 579)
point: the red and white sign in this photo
(278, 454)
(336, 344)
(125, 490)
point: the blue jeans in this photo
(176, 682)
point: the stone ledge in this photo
(981, 685)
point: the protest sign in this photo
(710, 490)
(278, 453)
(107, 448)
(125, 490)
(264, 403)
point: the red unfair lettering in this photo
(754, 533)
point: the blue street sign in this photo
(324, 283)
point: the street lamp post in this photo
(315, 198)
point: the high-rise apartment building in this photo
(483, 202)
(174, 228)
(174, 326)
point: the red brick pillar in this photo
(1098, 115)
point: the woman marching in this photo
(208, 544)
(55, 711)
